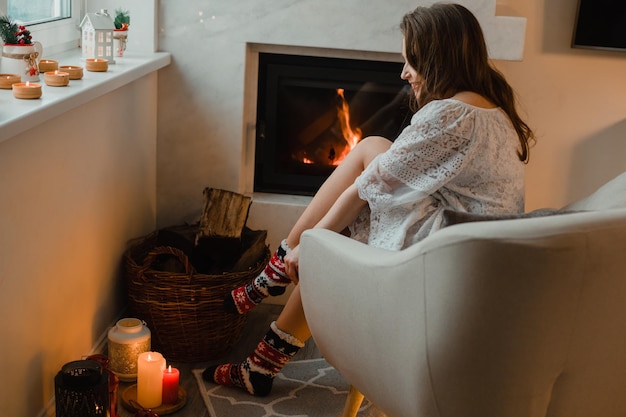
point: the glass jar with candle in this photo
(81, 389)
(126, 341)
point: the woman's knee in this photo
(371, 146)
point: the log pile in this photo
(220, 241)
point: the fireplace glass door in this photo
(312, 111)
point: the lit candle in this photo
(27, 90)
(7, 80)
(150, 367)
(170, 385)
(46, 65)
(97, 64)
(76, 73)
(56, 78)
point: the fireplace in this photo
(311, 111)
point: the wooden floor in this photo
(257, 325)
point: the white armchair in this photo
(506, 318)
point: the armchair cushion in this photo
(452, 217)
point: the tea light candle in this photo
(97, 64)
(26, 90)
(150, 367)
(7, 80)
(170, 385)
(56, 78)
(46, 65)
(75, 72)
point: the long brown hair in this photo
(446, 46)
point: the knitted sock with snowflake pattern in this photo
(256, 373)
(271, 281)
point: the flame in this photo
(330, 138)
(351, 136)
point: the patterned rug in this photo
(307, 388)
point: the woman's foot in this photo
(271, 281)
(256, 373)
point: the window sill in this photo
(17, 116)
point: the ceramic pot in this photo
(126, 341)
(22, 60)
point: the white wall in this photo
(73, 191)
(576, 102)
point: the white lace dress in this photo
(452, 155)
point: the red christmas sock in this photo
(256, 373)
(271, 281)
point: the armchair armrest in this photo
(347, 291)
(475, 320)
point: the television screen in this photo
(600, 24)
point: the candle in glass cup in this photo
(170, 385)
(97, 64)
(150, 367)
(27, 90)
(56, 78)
(46, 65)
(75, 72)
(7, 80)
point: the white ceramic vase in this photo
(22, 60)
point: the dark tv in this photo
(600, 24)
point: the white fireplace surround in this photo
(377, 38)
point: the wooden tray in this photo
(129, 399)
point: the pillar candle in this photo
(150, 367)
(170, 385)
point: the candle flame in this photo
(149, 357)
(27, 83)
(169, 369)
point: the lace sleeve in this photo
(427, 155)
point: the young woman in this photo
(465, 150)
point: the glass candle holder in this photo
(81, 389)
(126, 341)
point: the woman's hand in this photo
(291, 265)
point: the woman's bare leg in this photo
(342, 177)
(273, 280)
(288, 333)
(291, 319)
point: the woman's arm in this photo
(344, 211)
(341, 214)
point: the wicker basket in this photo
(184, 310)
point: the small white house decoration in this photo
(97, 39)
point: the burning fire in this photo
(330, 138)
(351, 136)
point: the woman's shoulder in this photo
(474, 99)
(454, 109)
(461, 102)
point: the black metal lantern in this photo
(82, 390)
